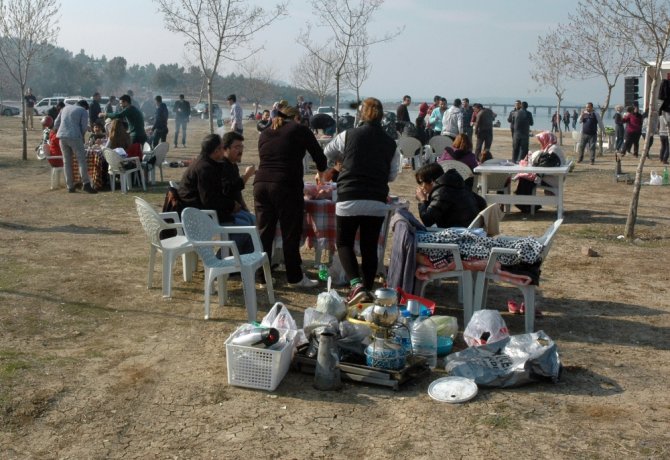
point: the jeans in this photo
(180, 124)
(589, 139)
(620, 134)
(243, 240)
(70, 146)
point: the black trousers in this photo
(283, 203)
(370, 227)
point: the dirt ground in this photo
(94, 365)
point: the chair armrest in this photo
(250, 230)
(222, 244)
(495, 254)
(452, 247)
(170, 215)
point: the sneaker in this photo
(71, 190)
(357, 294)
(89, 189)
(304, 282)
(593, 162)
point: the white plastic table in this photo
(508, 199)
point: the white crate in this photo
(260, 368)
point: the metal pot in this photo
(385, 311)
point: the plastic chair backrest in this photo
(151, 221)
(462, 169)
(198, 226)
(113, 159)
(548, 237)
(409, 146)
(439, 143)
(160, 152)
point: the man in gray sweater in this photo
(71, 126)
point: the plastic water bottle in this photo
(401, 332)
(666, 177)
(323, 272)
(424, 339)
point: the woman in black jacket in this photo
(444, 200)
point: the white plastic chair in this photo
(44, 153)
(576, 137)
(200, 229)
(483, 278)
(114, 161)
(462, 169)
(159, 153)
(153, 224)
(439, 143)
(410, 147)
(465, 278)
(497, 183)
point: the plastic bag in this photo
(655, 179)
(279, 317)
(330, 302)
(337, 273)
(446, 326)
(314, 319)
(486, 326)
(513, 361)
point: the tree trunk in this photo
(209, 105)
(629, 232)
(24, 127)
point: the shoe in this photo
(513, 307)
(71, 190)
(580, 160)
(89, 189)
(538, 312)
(175, 146)
(593, 162)
(357, 294)
(304, 282)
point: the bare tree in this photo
(550, 66)
(217, 30)
(25, 26)
(644, 27)
(358, 68)
(347, 21)
(594, 53)
(258, 78)
(315, 74)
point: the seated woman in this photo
(542, 157)
(444, 199)
(461, 150)
(119, 138)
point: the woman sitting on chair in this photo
(461, 150)
(444, 199)
(528, 181)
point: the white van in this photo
(45, 104)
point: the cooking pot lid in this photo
(453, 389)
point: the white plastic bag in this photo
(655, 179)
(330, 302)
(486, 326)
(336, 272)
(279, 317)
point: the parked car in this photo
(201, 109)
(43, 106)
(329, 110)
(9, 110)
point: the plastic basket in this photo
(259, 368)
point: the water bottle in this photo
(401, 332)
(424, 339)
(666, 177)
(323, 272)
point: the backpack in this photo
(547, 160)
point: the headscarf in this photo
(423, 109)
(546, 139)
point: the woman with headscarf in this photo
(370, 160)
(528, 181)
(279, 187)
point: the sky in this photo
(477, 49)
